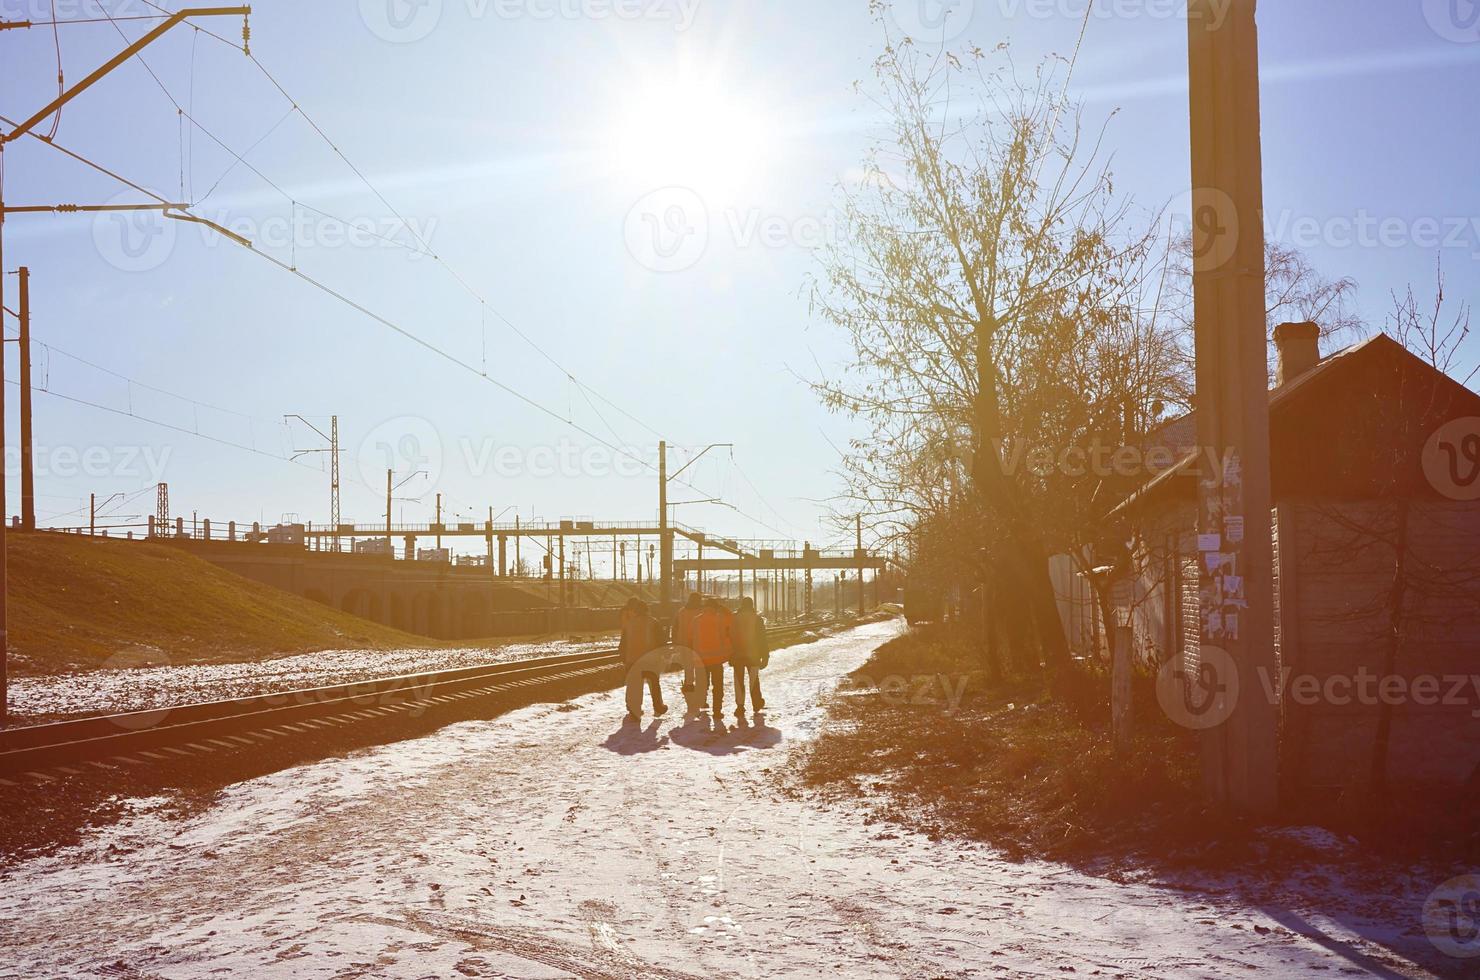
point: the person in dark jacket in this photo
(683, 623)
(752, 654)
(683, 636)
(640, 634)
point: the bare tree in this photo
(995, 305)
(1428, 331)
(1294, 290)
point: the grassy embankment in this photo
(76, 602)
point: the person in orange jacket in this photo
(682, 636)
(712, 636)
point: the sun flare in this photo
(696, 134)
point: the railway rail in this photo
(158, 736)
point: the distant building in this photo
(373, 546)
(443, 555)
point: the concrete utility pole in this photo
(4, 520)
(92, 511)
(332, 437)
(410, 539)
(665, 533)
(28, 462)
(1232, 400)
(665, 536)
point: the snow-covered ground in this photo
(169, 685)
(558, 841)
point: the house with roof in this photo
(1375, 478)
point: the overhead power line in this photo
(135, 383)
(149, 420)
(425, 248)
(128, 413)
(54, 22)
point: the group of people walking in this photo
(709, 637)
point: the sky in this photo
(569, 228)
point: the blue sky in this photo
(524, 142)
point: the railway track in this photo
(156, 737)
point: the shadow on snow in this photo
(700, 733)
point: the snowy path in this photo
(553, 842)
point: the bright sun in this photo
(688, 133)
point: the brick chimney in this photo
(1299, 346)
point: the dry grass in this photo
(77, 601)
(1008, 766)
(1037, 777)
